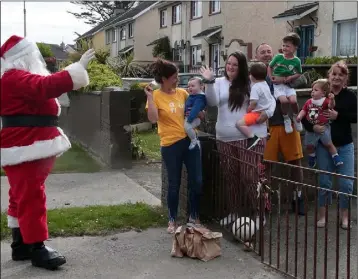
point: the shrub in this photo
(136, 146)
(163, 49)
(138, 85)
(45, 50)
(102, 55)
(311, 76)
(125, 66)
(324, 60)
(100, 76)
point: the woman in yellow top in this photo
(165, 107)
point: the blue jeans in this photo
(324, 162)
(174, 156)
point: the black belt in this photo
(29, 121)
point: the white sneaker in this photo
(288, 125)
(298, 125)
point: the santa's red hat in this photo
(15, 47)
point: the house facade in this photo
(192, 28)
(331, 27)
(95, 37)
(119, 33)
(345, 28)
(205, 32)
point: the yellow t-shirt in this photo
(170, 115)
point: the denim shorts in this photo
(312, 138)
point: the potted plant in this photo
(312, 48)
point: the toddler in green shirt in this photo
(285, 68)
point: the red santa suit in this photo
(30, 137)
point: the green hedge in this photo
(100, 76)
(329, 60)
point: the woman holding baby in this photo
(231, 95)
(166, 107)
(341, 117)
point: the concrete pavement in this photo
(79, 189)
(133, 255)
(144, 255)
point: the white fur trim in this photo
(78, 74)
(58, 106)
(64, 100)
(22, 48)
(24, 43)
(12, 222)
(38, 150)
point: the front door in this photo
(306, 34)
(215, 57)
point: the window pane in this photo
(346, 38)
(198, 55)
(199, 8)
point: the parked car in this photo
(184, 79)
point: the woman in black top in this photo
(341, 117)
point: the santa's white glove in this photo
(87, 57)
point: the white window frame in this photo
(163, 18)
(130, 30)
(216, 6)
(336, 37)
(114, 35)
(196, 9)
(122, 33)
(176, 16)
(195, 53)
(108, 36)
(217, 47)
(177, 51)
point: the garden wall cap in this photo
(113, 88)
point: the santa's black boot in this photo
(46, 257)
(20, 250)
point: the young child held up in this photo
(285, 68)
(261, 101)
(195, 103)
(313, 110)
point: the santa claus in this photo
(31, 140)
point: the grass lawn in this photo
(98, 220)
(74, 160)
(150, 144)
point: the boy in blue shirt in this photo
(195, 103)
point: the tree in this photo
(162, 49)
(94, 12)
(45, 50)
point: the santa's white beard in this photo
(31, 62)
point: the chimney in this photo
(62, 45)
(118, 11)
